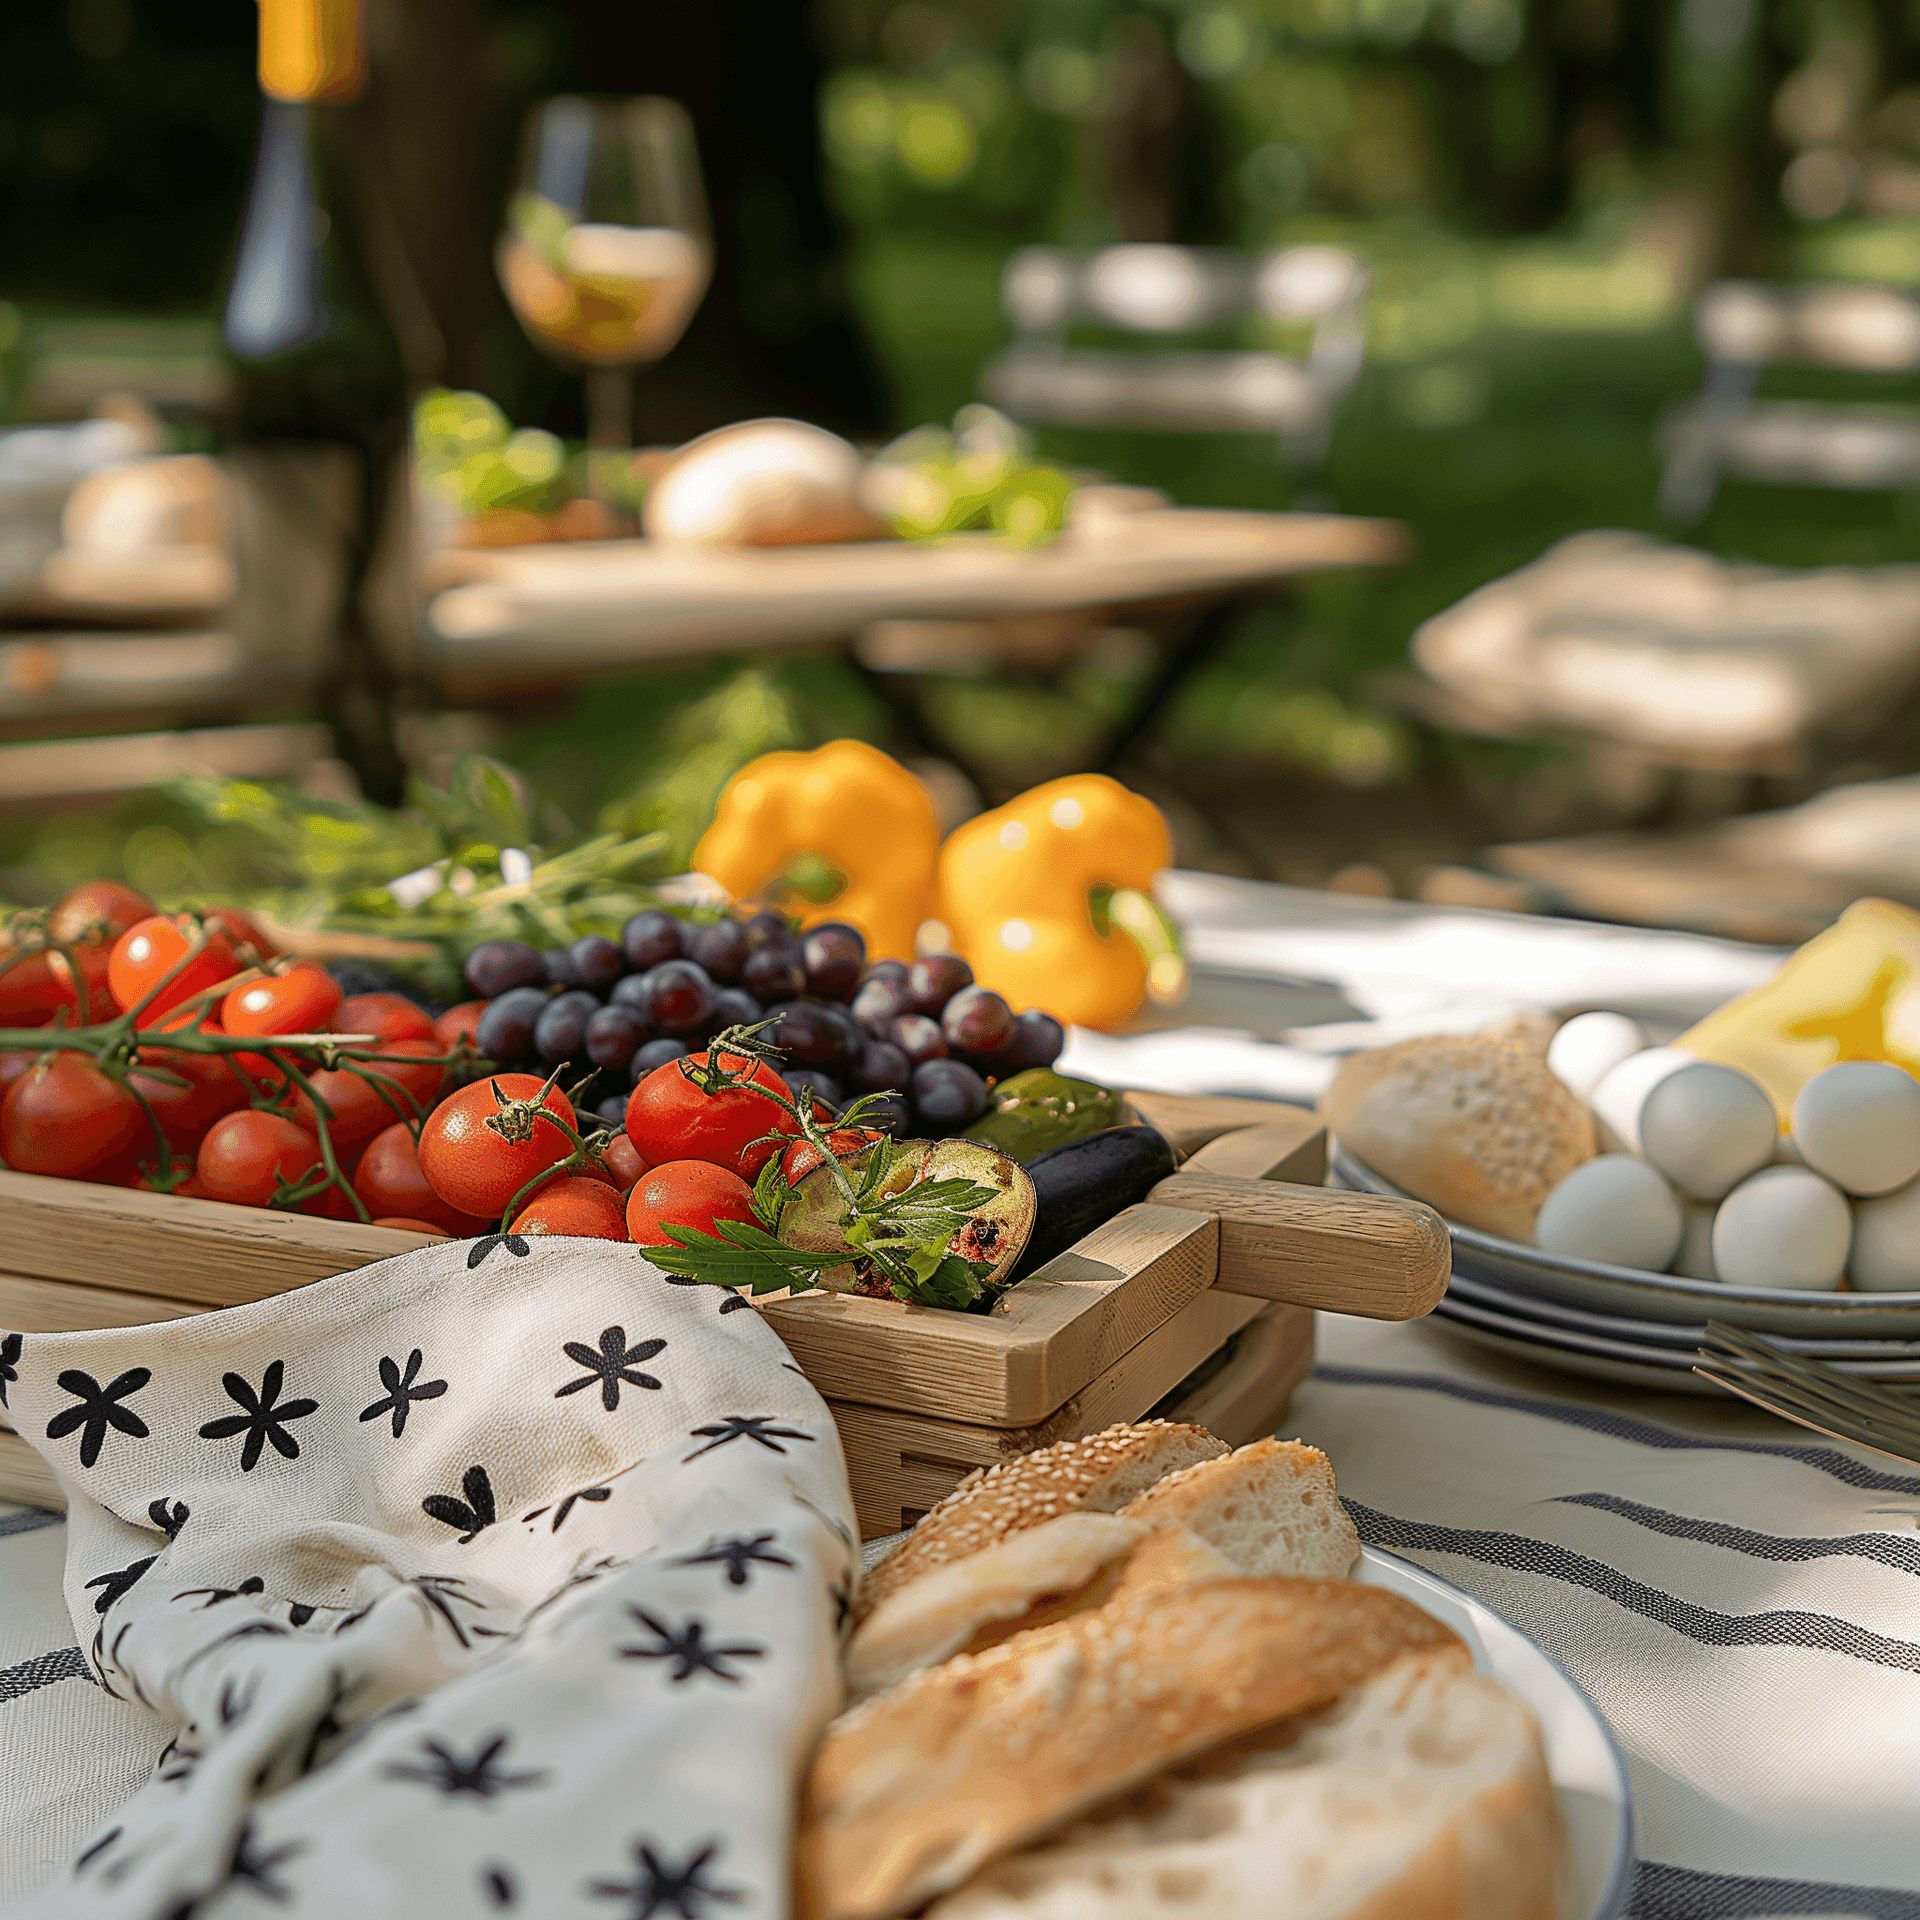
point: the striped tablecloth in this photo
(1742, 1602)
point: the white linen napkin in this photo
(503, 1577)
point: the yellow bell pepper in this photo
(845, 804)
(1851, 993)
(1024, 890)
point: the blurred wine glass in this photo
(606, 250)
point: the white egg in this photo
(1783, 1227)
(1886, 1242)
(1613, 1208)
(1622, 1091)
(1859, 1124)
(1590, 1046)
(1694, 1261)
(1706, 1127)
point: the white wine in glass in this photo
(606, 251)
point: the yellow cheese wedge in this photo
(1851, 993)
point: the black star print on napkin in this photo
(168, 1517)
(98, 1408)
(115, 1584)
(9, 1363)
(263, 1420)
(251, 1584)
(441, 1592)
(513, 1243)
(688, 1648)
(401, 1392)
(758, 1427)
(655, 1884)
(454, 1776)
(474, 1514)
(613, 1362)
(737, 1554)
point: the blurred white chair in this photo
(1726, 429)
(1166, 291)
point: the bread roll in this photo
(1422, 1795)
(1099, 1474)
(1477, 1128)
(762, 483)
(914, 1792)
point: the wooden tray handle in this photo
(1314, 1247)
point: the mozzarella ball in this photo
(1590, 1046)
(1706, 1127)
(1613, 1208)
(1622, 1091)
(1859, 1124)
(1886, 1242)
(1783, 1227)
(1694, 1261)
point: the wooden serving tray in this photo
(1238, 1246)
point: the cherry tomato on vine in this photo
(587, 1209)
(249, 942)
(35, 988)
(245, 1155)
(97, 911)
(63, 1116)
(623, 1162)
(803, 1156)
(187, 1092)
(685, 1193)
(402, 1224)
(670, 1118)
(388, 1179)
(304, 999)
(466, 1151)
(460, 1023)
(373, 1095)
(387, 1016)
(146, 953)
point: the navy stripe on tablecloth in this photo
(1620, 1426)
(1781, 1627)
(1680, 1893)
(29, 1522)
(66, 1663)
(1891, 1550)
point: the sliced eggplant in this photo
(1085, 1183)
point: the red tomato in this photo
(97, 911)
(212, 1090)
(301, 1000)
(586, 1209)
(35, 988)
(803, 1156)
(466, 1151)
(244, 1155)
(623, 1162)
(241, 933)
(63, 1116)
(669, 1118)
(387, 1016)
(402, 1224)
(147, 952)
(685, 1193)
(389, 1180)
(460, 1023)
(147, 1179)
(360, 1108)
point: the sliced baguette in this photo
(1099, 1474)
(1269, 1507)
(1421, 1795)
(911, 1794)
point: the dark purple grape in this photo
(505, 1032)
(767, 930)
(896, 970)
(721, 948)
(833, 956)
(976, 1020)
(631, 990)
(597, 962)
(495, 967)
(919, 1038)
(880, 1067)
(649, 938)
(680, 997)
(612, 1036)
(841, 1016)
(558, 962)
(612, 1112)
(891, 1115)
(948, 1095)
(880, 1001)
(932, 983)
(656, 1053)
(734, 1008)
(1038, 1039)
(805, 1080)
(774, 973)
(806, 1036)
(561, 1029)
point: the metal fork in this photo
(1811, 1392)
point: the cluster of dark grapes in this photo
(923, 1035)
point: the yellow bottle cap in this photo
(312, 49)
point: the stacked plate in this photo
(1618, 1323)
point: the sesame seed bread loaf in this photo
(1421, 1795)
(1099, 1474)
(1475, 1127)
(915, 1791)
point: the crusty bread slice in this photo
(1269, 1507)
(1099, 1474)
(1421, 1795)
(912, 1793)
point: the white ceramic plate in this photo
(1588, 1772)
